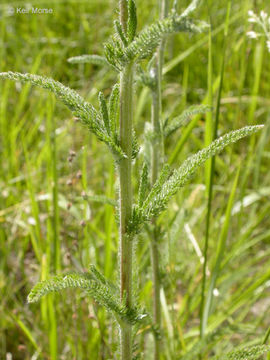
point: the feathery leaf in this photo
(84, 281)
(149, 39)
(104, 112)
(114, 108)
(135, 145)
(120, 32)
(194, 4)
(96, 286)
(89, 59)
(57, 283)
(99, 277)
(132, 20)
(100, 199)
(249, 353)
(159, 196)
(183, 119)
(143, 185)
(83, 110)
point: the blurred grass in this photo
(45, 224)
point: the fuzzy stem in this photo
(125, 172)
(125, 167)
(156, 160)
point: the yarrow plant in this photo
(112, 123)
(263, 22)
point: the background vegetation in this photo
(47, 162)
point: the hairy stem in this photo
(156, 160)
(125, 172)
(125, 168)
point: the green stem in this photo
(156, 300)
(156, 161)
(125, 172)
(125, 168)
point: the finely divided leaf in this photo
(149, 39)
(159, 196)
(158, 186)
(58, 283)
(89, 59)
(194, 4)
(184, 118)
(143, 185)
(94, 284)
(83, 110)
(114, 108)
(249, 353)
(120, 32)
(132, 20)
(99, 277)
(92, 287)
(104, 112)
(100, 199)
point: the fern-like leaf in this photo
(94, 285)
(102, 199)
(120, 32)
(84, 281)
(149, 39)
(162, 191)
(58, 283)
(89, 59)
(83, 110)
(184, 118)
(193, 5)
(249, 353)
(104, 112)
(135, 145)
(114, 108)
(143, 185)
(100, 278)
(132, 20)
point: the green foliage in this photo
(119, 30)
(83, 110)
(183, 119)
(106, 120)
(135, 145)
(114, 108)
(143, 185)
(193, 5)
(58, 283)
(104, 112)
(102, 199)
(201, 345)
(165, 187)
(250, 353)
(94, 285)
(149, 39)
(89, 59)
(132, 20)
(147, 78)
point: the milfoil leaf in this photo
(83, 110)
(161, 193)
